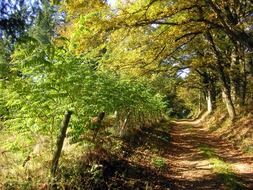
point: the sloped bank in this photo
(239, 132)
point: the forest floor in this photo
(184, 156)
(201, 160)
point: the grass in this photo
(221, 168)
(164, 138)
(207, 151)
(239, 132)
(248, 150)
(159, 162)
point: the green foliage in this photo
(96, 171)
(223, 169)
(16, 17)
(128, 60)
(159, 162)
(53, 80)
(207, 151)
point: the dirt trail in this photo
(191, 169)
(180, 156)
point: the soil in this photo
(170, 158)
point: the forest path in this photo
(200, 160)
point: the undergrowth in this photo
(239, 132)
(107, 164)
(221, 168)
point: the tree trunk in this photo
(124, 124)
(59, 143)
(200, 103)
(226, 93)
(224, 77)
(236, 69)
(229, 104)
(209, 102)
(244, 85)
(249, 71)
(235, 34)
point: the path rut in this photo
(192, 170)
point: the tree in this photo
(234, 17)
(16, 16)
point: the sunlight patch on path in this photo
(243, 168)
(193, 170)
(192, 122)
(200, 156)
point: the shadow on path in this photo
(191, 169)
(170, 158)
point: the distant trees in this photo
(212, 38)
(141, 59)
(16, 16)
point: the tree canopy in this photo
(138, 61)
